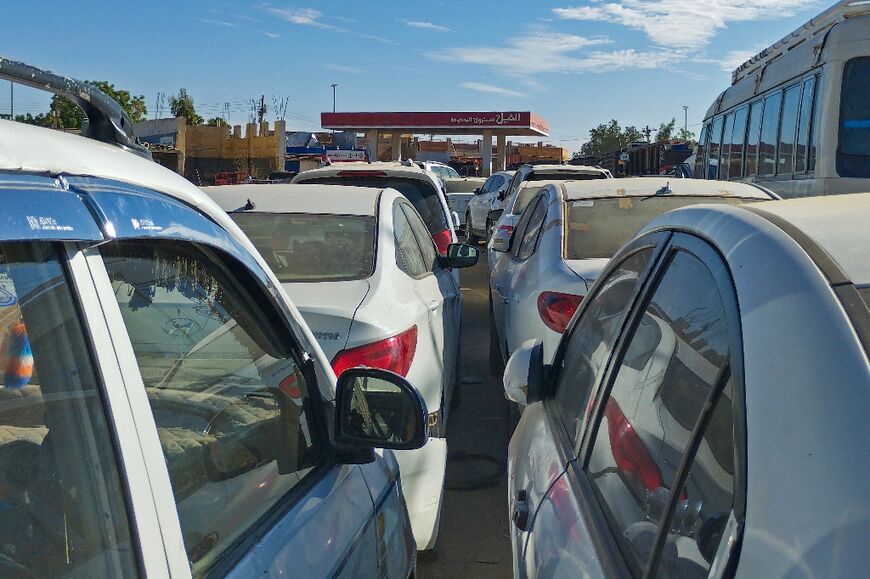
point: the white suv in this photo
(164, 409)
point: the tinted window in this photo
(408, 255)
(814, 125)
(423, 196)
(230, 402)
(524, 196)
(700, 161)
(736, 158)
(520, 230)
(593, 336)
(753, 134)
(565, 175)
(61, 499)
(532, 233)
(706, 497)
(725, 153)
(713, 149)
(424, 240)
(599, 227)
(315, 248)
(495, 183)
(769, 127)
(803, 136)
(790, 104)
(667, 372)
(853, 154)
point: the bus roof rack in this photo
(816, 25)
(105, 120)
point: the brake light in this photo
(442, 240)
(557, 309)
(394, 354)
(509, 229)
(362, 174)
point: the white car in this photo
(522, 187)
(443, 170)
(164, 409)
(566, 236)
(459, 193)
(487, 198)
(421, 187)
(362, 268)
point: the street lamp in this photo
(686, 122)
(333, 85)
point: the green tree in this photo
(607, 138)
(216, 122)
(666, 131)
(71, 116)
(181, 105)
(688, 136)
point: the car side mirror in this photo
(476, 191)
(524, 373)
(379, 409)
(494, 215)
(455, 217)
(460, 255)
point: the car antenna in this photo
(249, 205)
(105, 120)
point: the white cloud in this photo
(492, 89)
(542, 52)
(222, 23)
(271, 34)
(425, 25)
(300, 16)
(342, 68)
(682, 23)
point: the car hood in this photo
(588, 269)
(329, 309)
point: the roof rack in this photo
(819, 23)
(105, 120)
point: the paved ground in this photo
(473, 541)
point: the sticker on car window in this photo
(583, 203)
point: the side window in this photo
(803, 135)
(700, 162)
(229, 400)
(713, 149)
(529, 243)
(814, 126)
(769, 127)
(735, 170)
(424, 239)
(408, 256)
(487, 186)
(753, 133)
(667, 373)
(519, 232)
(497, 182)
(706, 495)
(790, 105)
(593, 337)
(60, 490)
(515, 183)
(725, 155)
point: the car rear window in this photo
(597, 228)
(423, 196)
(563, 175)
(312, 248)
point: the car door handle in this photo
(520, 515)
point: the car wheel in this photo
(496, 363)
(470, 236)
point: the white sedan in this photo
(566, 236)
(362, 268)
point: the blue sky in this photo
(577, 63)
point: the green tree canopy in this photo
(181, 105)
(608, 137)
(70, 116)
(666, 131)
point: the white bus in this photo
(796, 118)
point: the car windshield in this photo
(597, 228)
(312, 248)
(422, 195)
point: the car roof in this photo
(554, 168)
(836, 223)
(392, 168)
(646, 186)
(298, 198)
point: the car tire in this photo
(470, 236)
(496, 363)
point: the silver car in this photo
(706, 411)
(565, 237)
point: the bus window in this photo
(853, 154)
(726, 146)
(713, 149)
(790, 103)
(803, 135)
(814, 125)
(769, 128)
(752, 136)
(735, 170)
(700, 161)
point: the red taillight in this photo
(394, 354)
(509, 229)
(290, 386)
(557, 309)
(442, 240)
(362, 174)
(629, 451)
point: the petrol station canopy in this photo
(500, 123)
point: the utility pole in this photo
(686, 122)
(333, 85)
(261, 112)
